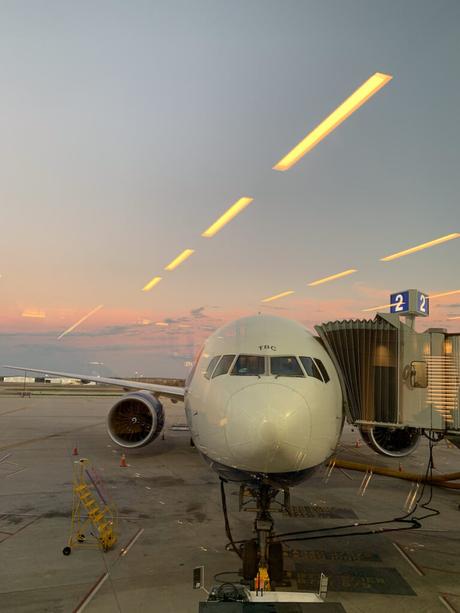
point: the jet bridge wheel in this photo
(275, 562)
(250, 560)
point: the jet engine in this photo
(393, 442)
(135, 420)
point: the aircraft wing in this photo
(170, 391)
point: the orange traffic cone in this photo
(75, 450)
(123, 462)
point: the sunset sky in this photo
(129, 127)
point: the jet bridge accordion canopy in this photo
(366, 356)
(392, 375)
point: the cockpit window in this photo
(211, 366)
(323, 370)
(285, 366)
(223, 366)
(249, 365)
(310, 367)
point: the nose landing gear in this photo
(263, 556)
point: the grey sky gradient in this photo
(128, 127)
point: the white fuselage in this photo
(273, 409)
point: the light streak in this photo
(232, 212)
(34, 314)
(339, 275)
(180, 258)
(288, 293)
(80, 321)
(151, 284)
(342, 112)
(433, 243)
(454, 291)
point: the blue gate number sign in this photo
(410, 302)
(399, 302)
(423, 303)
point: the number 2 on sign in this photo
(399, 301)
(423, 303)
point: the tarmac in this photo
(170, 521)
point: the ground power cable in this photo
(414, 523)
(408, 518)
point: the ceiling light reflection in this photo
(33, 314)
(339, 275)
(342, 112)
(232, 212)
(288, 293)
(433, 243)
(180, 258)
(151, 284)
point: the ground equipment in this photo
(94, 516)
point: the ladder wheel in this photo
(66, 551)
(275, 562)
(250, 560)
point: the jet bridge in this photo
(394, 379)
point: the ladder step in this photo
(97, 518)
(81, 488)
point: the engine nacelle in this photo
(393, 442)
(135, 420)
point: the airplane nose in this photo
(268, 428)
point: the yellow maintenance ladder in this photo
(91, 512)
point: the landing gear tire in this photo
(250, 560)
(66, 551)
(275, 562)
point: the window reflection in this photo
(211, 366)
(285, 366)
(323, 370)
(223, 366)
(310, 367)
(249, 365)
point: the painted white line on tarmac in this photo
(90, 595)
(412, 564)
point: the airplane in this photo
(264, 406)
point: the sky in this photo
(129, 127)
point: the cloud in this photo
(131, 329)
(176, 320)
(198, 312)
